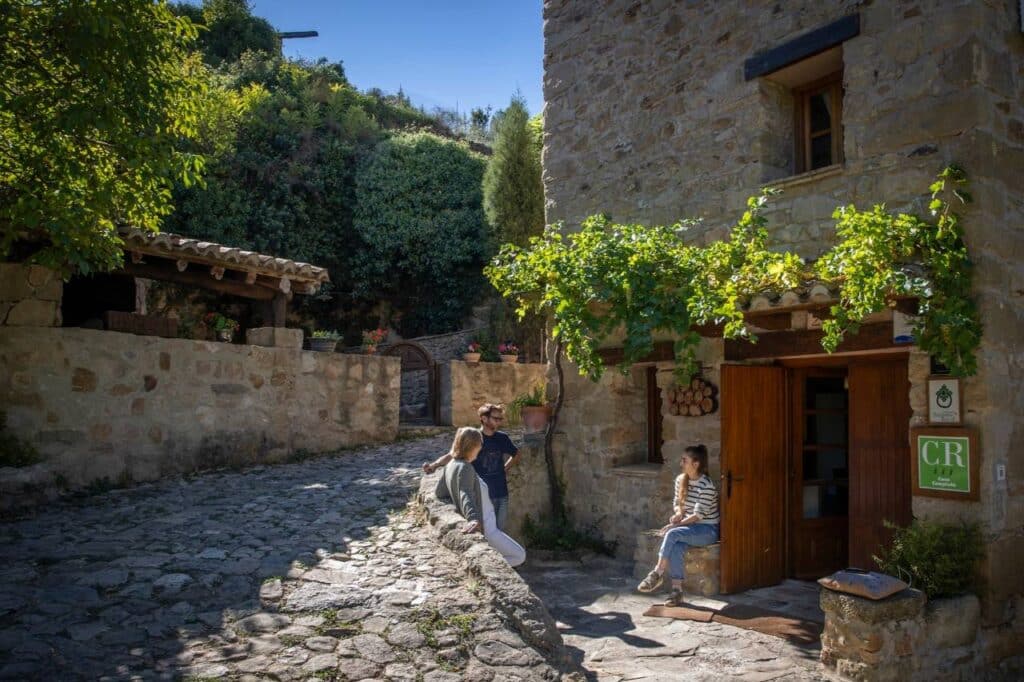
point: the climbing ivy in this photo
(610, 279)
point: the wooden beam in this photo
(181, 264)
(802, 47)
(808, 342)
(217, 272)
(202, 280)
(250, 277)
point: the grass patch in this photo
(431, 622)
(333, 626)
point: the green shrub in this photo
(15, 452)
(558, 535)
(938, 558)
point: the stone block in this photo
(274, 337)
(32, 312)
(903, 605)
(702, 565)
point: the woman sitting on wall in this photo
(460, 484)
(694, 522)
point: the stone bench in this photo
(701, 564)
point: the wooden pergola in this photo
(174, 258)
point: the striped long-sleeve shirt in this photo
(701, 499)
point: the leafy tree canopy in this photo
(229, 30)
(95, 97)
(423, 241)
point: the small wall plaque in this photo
(944, 403)
(945, 462)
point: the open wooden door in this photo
(879, 455)
(753, 485)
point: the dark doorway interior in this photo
(86, 298)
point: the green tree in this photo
(95, 99)
(423, 235)
(230, 30)
(513, 193)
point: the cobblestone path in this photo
(314, 570)
(599, 614)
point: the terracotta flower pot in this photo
(225, 335)
(509, 358)
(535, 417)
(369, 350)
(471, 357)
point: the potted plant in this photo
(373, 338)
(472, 353)
(508, 352)
(324, 340)
(532, 408)
(224, 327)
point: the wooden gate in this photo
(753, 483)
(416, 358)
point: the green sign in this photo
(944, 463)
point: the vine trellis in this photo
(610, 278)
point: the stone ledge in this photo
(512, 595)
(637, 470)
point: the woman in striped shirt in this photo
(694, 522)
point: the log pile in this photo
(694, 399)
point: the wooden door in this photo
(819, 472)
(879, 455)
(753, 483)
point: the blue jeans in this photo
(673, 546)
(500, 511)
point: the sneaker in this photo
(652, 582)
(677, 598)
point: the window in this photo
(818, 109)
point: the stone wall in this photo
(30, 296)
(649, 118)
(132, 408)
(466, 386)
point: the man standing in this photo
(496, 457)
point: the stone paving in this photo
(599, 614)
(312, 570)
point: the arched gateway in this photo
(419, 402)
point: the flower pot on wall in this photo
(535, 417)
(225, 335)
(323, 344)
(509, 358)
(471, 357)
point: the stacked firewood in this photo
(694, 399)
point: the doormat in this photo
(795, 630)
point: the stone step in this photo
(421, 430)
(701, 564)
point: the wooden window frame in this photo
(833, 84)
(654, 416)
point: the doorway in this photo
(815, 461)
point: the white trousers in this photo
(510, 549)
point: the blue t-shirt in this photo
(490, 463)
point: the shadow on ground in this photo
(122, 583)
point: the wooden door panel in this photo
(879, 455)
(754, 454)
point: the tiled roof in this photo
(171, 245)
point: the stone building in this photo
(661, 110)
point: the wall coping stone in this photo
(903, 605)
(512, 595)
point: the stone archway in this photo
(419, 400)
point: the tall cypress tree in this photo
(513, 193)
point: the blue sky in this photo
(441, 52)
